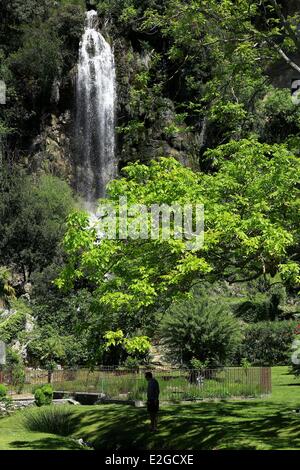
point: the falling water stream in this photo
(95, 113)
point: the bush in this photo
(52, 420)
(268, 343)
(47, 345)
(3, 391)
(43, 395)
(278, 116)
(198, 365)
(36, 387)
(132, 363)
(198, 328)
(18, 378)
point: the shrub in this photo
(198, 365)
(245, 364)
(198, 328)
(268, 343)
(52, 420)
(132, 363)
(43, 395)
(18, 377)
(3, 391)
(35, 387)
(278, 116)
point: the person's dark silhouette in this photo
(152, 399)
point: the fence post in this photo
(50, 376)
(265, 380)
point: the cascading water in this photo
(95, 113)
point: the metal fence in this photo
(175, 384)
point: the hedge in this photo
(268, 343)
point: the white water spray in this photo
(95, 113)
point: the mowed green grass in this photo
(268, 423)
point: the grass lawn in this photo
(266, 423)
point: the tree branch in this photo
(287, 59)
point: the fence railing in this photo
(175, 384)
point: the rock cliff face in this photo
(147, 123)
(52, 149)
(155, 131)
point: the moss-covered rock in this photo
(53, 153)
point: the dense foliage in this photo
(204, 117)
(200, 329)
(38, 45)
(43, 395)
(205, 77)
(251, 229)
(3, 391)
(15, 369)
(269, 343)
(32, 217)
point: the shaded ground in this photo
(267, 423)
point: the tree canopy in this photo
(251, 229)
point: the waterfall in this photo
(95, 113)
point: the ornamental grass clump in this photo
(57, 420)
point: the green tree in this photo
(46, 348)
(118, 346)
(32, 220)
(37, 63)
(39, 47)
(15, 367)
(214, 60)
(251, 230)
(196, 328)
(268, 343)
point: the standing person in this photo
(152, 399)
